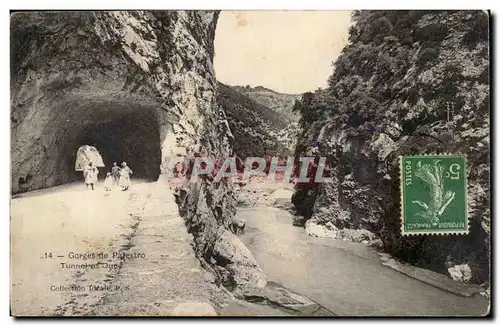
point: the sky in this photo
(287, 51)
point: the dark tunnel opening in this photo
(131, 136)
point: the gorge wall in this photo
(279, 102)
(255, 127)
(387, 97)
(105, 79)
(140, 87)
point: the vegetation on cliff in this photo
(408, 82)
(279, 102)
(256, 127)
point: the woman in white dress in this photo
(125, 174)
(90, 174)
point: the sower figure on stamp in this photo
(115, 173)
(90, 174)
(125, 173)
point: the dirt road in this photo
(51, 227)
(150, 268)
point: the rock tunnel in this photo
(121, 133)
(102, 79)
(122, 129)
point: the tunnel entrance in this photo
(120, 134)
(125, 141)
(123, 127)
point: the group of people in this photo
(119, 176)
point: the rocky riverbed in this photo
(347, 278)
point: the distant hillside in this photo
(279, 102)
(256, 128)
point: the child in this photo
(108, 182)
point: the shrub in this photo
(479, 30)
(427, 54)
(432, 33)
(384, 25)
(407, 41)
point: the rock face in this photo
(255, 127)
(235, 260)
(388, 97)
(209, 209)
(138, 86)
(279, 102)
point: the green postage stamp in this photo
(434, 194)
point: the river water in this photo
(347, 278)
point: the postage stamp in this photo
(434, 194)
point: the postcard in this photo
(250, 163)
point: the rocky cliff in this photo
(279, 102)
(283, 104)
(389, 96)
(140, 87)
(256, 128)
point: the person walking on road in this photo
(115, 173)
(90, 174)
(125, 174)
(108, 182)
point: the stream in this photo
(346, 278)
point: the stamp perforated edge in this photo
(401, 202)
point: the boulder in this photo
(241, 271)
(238, 225)
(460, 273)
(320, 231)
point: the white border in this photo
(250, 5)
